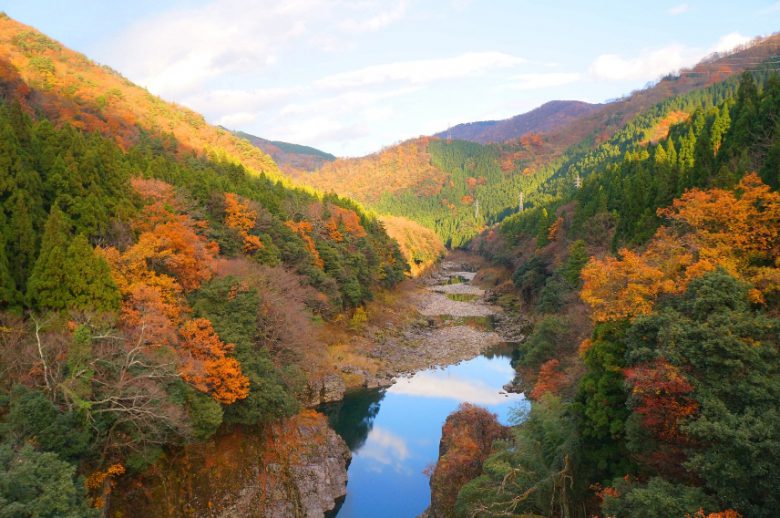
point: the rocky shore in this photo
(446, 330)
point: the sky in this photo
(353, 76)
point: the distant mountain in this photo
(458, 187)
(290, 156)
(547, 117)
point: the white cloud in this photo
(179, 50)
(645, 67)
(423, 71)
(377, 21)
(729, 41)
(534, 81)
(679, 9)
(652, 64)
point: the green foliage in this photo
(731, 353)
(531, 473)
(39, 485)
(205, 414)
(601, 404)
(233, 312)
(33, 418)
(656, 498)
(68, 274)
(578, 256)
(545, 341)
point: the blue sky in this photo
(351, 77)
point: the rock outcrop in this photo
(294, 469)
(466, 441)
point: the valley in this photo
(571, 312)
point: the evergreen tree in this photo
(88, 278)
(68, 274)
(47, 287)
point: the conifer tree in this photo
(47, 287)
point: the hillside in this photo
(457, 188)
(68, 87)
(157, 279)
(654, 292)
(545, 118)
(290, 157)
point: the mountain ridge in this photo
(543, 118)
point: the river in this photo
(394, 433)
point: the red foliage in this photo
(550, 379)
(661, 392)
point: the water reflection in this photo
(394, 435)
(353, 417)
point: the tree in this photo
(206, 364)
(68, 274)
(243, 219)
(39, 484)
(48, 284)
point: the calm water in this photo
(394, 433)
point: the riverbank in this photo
(439, 319)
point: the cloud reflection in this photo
(385, 449)
(427, 384)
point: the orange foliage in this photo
(206, 364)
(555, 229)
(734, 230)
(102, 482)
(169, 259)
(394, 169)
(467, 438)
(304, 229)
(661, 128)
(467, 199)
(550, 379)
(346, 219)
(240, 217)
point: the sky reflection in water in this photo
(394, 435)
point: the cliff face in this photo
(294, 469)
(467, 438)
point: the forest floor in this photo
(439, 319)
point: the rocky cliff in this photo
(294, 469)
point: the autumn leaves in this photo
(170, 259)
(738, 231)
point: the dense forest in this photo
(669, 408)
(151, 292)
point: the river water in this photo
(394, 433)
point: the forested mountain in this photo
(290, 157)
(458, 188)
(664, 401)
(157, 278)
(547, 117)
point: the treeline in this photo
(670, 407)
(148, 296)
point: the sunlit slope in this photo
(67, 86)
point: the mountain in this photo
(458, 188)
(547, 117)
(290, 156)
